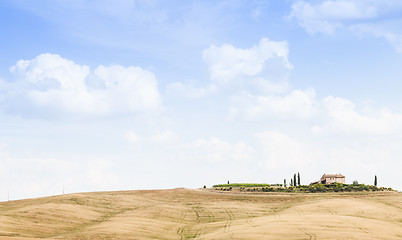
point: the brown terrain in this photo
(204, 214)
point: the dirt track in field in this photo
(203, 214)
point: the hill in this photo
(204, 214)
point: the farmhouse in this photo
(331, 178)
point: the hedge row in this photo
(237, 185)
(337, 187)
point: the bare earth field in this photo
(204, 214)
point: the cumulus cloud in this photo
(297, 104)
(261, 68)
(51, 83)
(343, 117)
(227, 63)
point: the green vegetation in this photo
(295, 186)
(313, 188)
(237, 185)
(298, 179)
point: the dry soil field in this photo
(204, 214)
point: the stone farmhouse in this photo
(331, 178)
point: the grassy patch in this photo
(243, 185)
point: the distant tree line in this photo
(295, 185)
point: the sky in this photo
(147, 94)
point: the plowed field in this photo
(204, 214)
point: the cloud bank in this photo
(360, 16)
(49, 83)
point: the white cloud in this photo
(270, 86)
(227, 63)
(50, 82)
(189, 90)
(362, 161)
(131, 87)
(298, 103)
(326, 16)
(132, 137)
(166, 137)
(200, 150)
(256, 13)
(376, 17)
(389, 30)
(216, 150)
(344, 118)
(99, 174)
(35, 177)
(279, 151)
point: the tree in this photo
(298, 179)
(291, 182)
(294, 180)
(375, 180)
(228, 182)
(284, 182)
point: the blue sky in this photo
(102, 95)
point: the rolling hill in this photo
(204, 214)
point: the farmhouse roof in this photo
(332, 176)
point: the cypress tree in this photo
(298, 179)
(375, 180)
(294, 180)
(284, 182)
(291, 182)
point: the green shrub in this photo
(242, 185)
